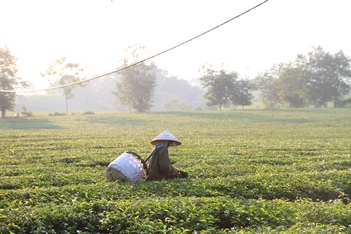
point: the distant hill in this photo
(170, 94)
(170, 90)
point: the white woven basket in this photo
(125, 168)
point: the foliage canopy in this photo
(137, 83)
(65, 73)
(8, 80)
(223, 87)
(313, 79)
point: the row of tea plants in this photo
(250, 171)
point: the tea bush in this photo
(250, 171)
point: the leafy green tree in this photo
(219, 85)
(65, 74)
(291, 86)
(317, 79)
(267, 84)
(8, 80)
(137, 84)
(330, 76)
(241, 94)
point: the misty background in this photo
(94, 33)
(171, 94)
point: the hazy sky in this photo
(95, 32)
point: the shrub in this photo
(57, 114)
(88, 113)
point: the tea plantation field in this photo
(250, 171)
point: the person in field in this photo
(158, 166)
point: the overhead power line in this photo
(141, 61)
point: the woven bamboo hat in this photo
(166, 136)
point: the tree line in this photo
(313, 79)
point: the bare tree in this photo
(67, 75)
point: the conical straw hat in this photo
(166, 136)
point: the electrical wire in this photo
(138, 62)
